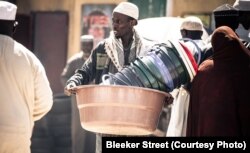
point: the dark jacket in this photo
(103, 60)
(96, 66)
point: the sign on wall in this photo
(96, 20)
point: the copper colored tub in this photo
(120, 110)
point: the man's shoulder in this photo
(21, 49)
(76, 57)
(101, 43)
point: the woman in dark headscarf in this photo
(220, 92)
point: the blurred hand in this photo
(168, 100)
(69, 89)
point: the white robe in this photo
(25, 95)
(179, 113)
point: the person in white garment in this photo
(191, 31)
(25, 93)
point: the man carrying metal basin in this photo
(111, 55)
(121, 48)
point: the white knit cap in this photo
(87, 38)
(192, 23)
(7, 11)
(128, 9)
(242, 5)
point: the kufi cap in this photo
(225, 10)
(192, 23)
(242, 5)
(128, 9)
(7, 11)
(87, 38)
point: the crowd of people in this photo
(219, 101)
(214, 103)
(209, 92)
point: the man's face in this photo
(122, 25)
(87, 46)
(245, 19)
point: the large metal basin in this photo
(120, 110)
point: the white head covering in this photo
(242, 5)
(128, 9)
(87, 38)
(7, 11)
(192, 23)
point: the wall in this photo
(74, 9)
(178, 7)
(26, 6)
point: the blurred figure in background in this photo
(26, 95)
(244, 18)
(82, 141)
(191, 31)
(224, 15)
(77, 60)
(219, 96)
